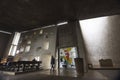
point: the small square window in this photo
(27, 49)
(46, 45)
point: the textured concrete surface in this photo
(41, 45)
(101, 37)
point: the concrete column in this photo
(8, 46)
(79, 42)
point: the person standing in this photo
(52, 63)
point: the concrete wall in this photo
(71, 35)
(38, 45)
(80, 44)
(66, 36)
(102, 39)
(4, 40)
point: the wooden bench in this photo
(21, 66)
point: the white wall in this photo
(101, 37)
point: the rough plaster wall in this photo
(101, 36)
(80, 43)
(4, 40)
(37, 44)
(66, 36)
(70, 35)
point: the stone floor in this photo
(68, 74)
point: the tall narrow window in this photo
(14, 44)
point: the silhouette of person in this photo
(52, 63)
(34, 59)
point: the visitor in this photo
(52, 63)
(34, 59)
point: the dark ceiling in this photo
(20, 15)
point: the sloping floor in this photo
(64, 75)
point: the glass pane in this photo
(16, 38)
(12, 50)
(46, 45)
(67, 56)
(27, 49)
(21, 49)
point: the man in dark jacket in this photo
(52, 63)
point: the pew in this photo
(21, 66)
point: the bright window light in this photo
(62, 23)
(14, 44)
(16, 38)
(27, 49)
(46, 45)
(37, 58)
(92, 28)
(17, 52)
(21, 49)
(12, 50)
(41, 31)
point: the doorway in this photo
(66, 57)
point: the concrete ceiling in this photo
(21, 15)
